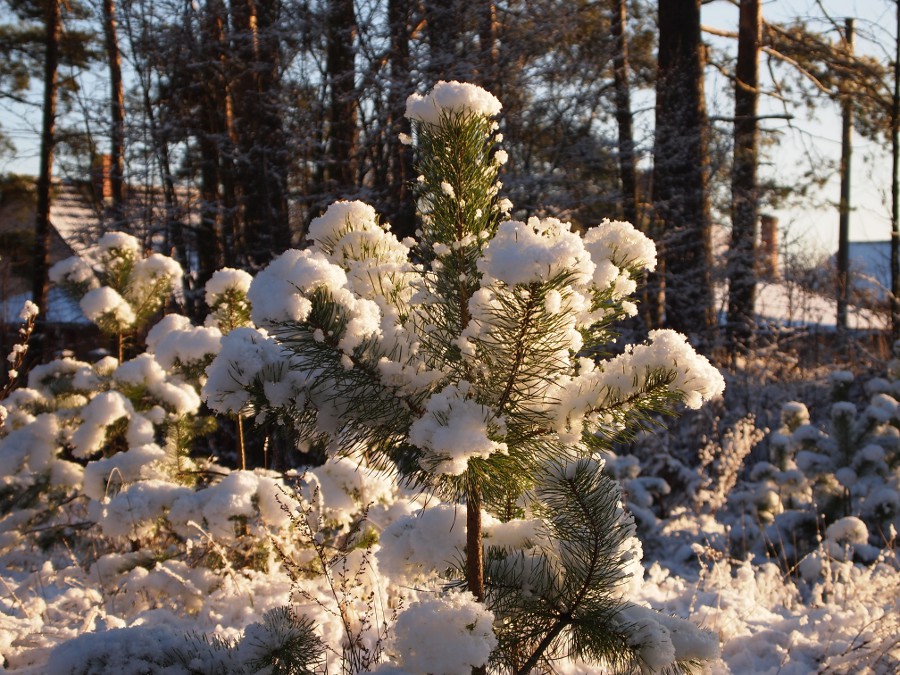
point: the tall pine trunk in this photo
(400, 164)
(895, 188)
(680, 168)
(216, 240)
(443, 27)
(627, 174)
(744, 191)
(343, 115)
(487, 41)
(117, 113)
(843, 252)
(261, 155)
(41, 254)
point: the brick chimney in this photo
(767, 252)
(101, 180)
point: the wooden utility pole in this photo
(843, 253)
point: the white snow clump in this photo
(447, 98)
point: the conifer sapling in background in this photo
(125, 291)
(473, 362)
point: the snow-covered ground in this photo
(758, 613)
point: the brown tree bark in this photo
(627, 174)
(117, 113)
(261, 156)
(343, 114)
(474, 549)
(680, 168)
(215, 233)
(744, 191)
(895, 188)
(843, 252)
(487, 41)
(400, 162)
(41, 255)
(443, 32)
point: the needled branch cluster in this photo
(474, 362)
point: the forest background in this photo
(246, 120)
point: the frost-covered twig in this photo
(16, 357)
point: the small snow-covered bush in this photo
(829, 490)
(462, 364)
(125, 290)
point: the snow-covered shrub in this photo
(281, 644)
(466, 369)
(125, 290)
(844, 471)
(462, 518)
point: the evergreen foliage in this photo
(475, 365)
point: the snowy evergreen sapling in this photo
(125, 290)
(472, 362)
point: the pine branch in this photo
(573, 585)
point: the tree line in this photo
(243, 119)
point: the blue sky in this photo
(820, 134)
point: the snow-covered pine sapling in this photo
(229, 308)
(125, 290)
(226, 297)
(473, 367)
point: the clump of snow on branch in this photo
(104, 306)
(444, 635)
(453, 430)
(224, 280)
(454, 97)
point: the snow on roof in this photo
(73, 215)
(870, 265)
(790, 305)
(61, 308)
